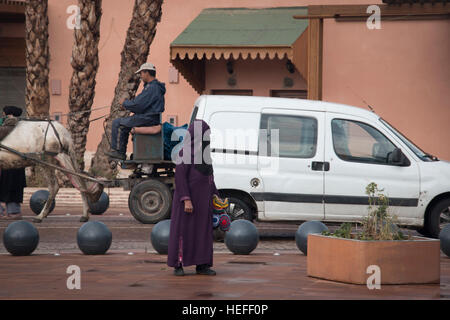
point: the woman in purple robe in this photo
(191, 227)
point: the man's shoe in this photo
(207, 271)
(116, 155)
(178, 271)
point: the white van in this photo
(328, 153)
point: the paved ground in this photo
(133, 270)
(146, 276)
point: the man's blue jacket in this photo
(149, 104)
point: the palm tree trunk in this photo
(85, 65)
(37, 97)
(140, 34)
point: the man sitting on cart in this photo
(147, 108)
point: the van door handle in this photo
(320, 166)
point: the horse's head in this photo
(94, 191)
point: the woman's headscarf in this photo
(198, 144)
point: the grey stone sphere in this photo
(94, 238)
(444, 236)
(160, 236)
(242, 238)
(301, 236)
(38, 200)
(100, 206)
(21, 238)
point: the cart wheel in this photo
(150, 201)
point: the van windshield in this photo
(194, 115)
(418, 152)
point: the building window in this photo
(12, 87)
(232, 92)
(299, 94)
(57, 116)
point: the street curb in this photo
(70, 197)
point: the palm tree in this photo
(140, 34)
(37, 96)
(85, 65)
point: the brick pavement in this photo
(146, 276)
(275, 270)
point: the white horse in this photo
(52, 143)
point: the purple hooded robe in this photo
(191, 234)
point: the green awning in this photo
(240, 31)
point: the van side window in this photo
(360, 142)
(234, 131)
(297, 135)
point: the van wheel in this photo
(239, 209)
(423, 231)
(438, 217)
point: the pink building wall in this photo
(114, 24)
(402, 70)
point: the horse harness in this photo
(10, 123)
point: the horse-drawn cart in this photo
(151, 183)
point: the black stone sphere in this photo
(301, 235)
(242, 238)
(160, 236)
(38, 200)
(94, 237)
(100, 206)
(444, 236)
(21, 238)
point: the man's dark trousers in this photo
(125, 125)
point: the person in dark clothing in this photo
(191, 225)
(147, 108)
(12, 181)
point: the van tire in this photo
(423, 231)
(433, 219)
(239, 209)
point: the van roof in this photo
(255, 103)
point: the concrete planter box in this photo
(401, 262)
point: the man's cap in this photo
(15, 111)
(146, 66)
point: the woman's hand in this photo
(188, 206)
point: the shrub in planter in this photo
(348, 257)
